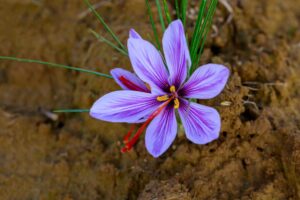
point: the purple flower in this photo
(154, 93)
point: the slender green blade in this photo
(101, 20)
(210, 19)
(184, 4)
(196, 37)
(103, 39)
(167, 12)
(71, 110)
(54, 65)
(161, 19)
(177, 9)
(153, 24)
(203, 25)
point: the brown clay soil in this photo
(76, 157)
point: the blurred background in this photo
(72, 156)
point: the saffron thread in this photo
(130, 85)
(130, 144)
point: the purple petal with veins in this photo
(148, 64)
(176, 53)
(201, 123)
(124, 106)
(132, 82)
(134, 34)
(161, 133)
(206, 82)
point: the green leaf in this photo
(177, 9)
(54, 65)
(201, 30)
(167, 13)
(153, 24)
(161, 19)
(103, 39)
(101, 20)
(71, 110)
(210, 19)
(184, 4)
(195, 38)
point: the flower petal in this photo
(134, 34)
(134, 82)
(176, 53)
(148, 64)
(201, 123)
(161, 132)
(206, 82)
(124, 106)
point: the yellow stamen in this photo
(162, 98)
(176, 103)
(172, 88)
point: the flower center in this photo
(172, 96)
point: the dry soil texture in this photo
(76, 157)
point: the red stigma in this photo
(129, 144)
(127, 136)
(130, 85)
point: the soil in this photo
(72, 156)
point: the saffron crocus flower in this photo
(157, 90)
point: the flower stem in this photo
(54, 65)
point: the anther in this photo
(176, 103)
(172, 88)
(162, 98)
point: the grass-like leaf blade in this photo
(195, 38)
(101, 20)
(160, 14)
(103, 39)
(71, 110)
(177, 9)
(202, 28)
(167, 12)
(184, 4)
(210, 19)
(153, 24)
(54, 65)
